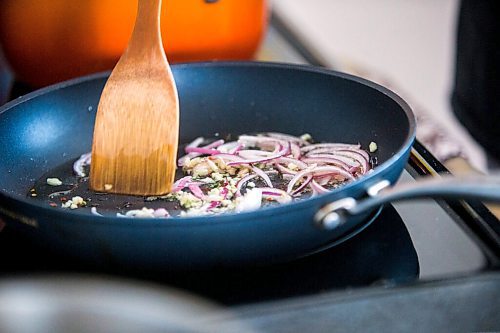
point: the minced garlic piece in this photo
(202, 170)
(54, 181)
(306, 137)
(372, 147)
(188, 200)
(74, 203)
(293, 166)
(217, 176)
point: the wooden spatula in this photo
(137, 124)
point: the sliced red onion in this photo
(317, 188)
(254, 154)
(283, 150)
(288, 160)
(332, 170)
(202, 150)
(318, 170)
(193, 150)
(257, 139)
(227, 158)
(303, 185)
(224, 192)
(229, 147)
(275, 194)
(214, 144)
(236, 149)
(299, 175)
(322, 180)
(182, 160)
(196, 142)
(284, 170)
(315, 146)
(181, 183)
(287, 137)
(196, 190)
(78, 166)
(359, 157)
(327, 160)
(347, 160)
(295, 150)
(304, 165)
(352, 158)
(212, 205)
(242, 182)
(263, 175)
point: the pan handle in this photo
(485, 188)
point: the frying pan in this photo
(48, 127)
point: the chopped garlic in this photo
(373, 147)
(226, 202)
(208, 180)
(54, 181)
(214, 191)
(201, 170)
(217, 176)
(78, 200)
(74, 203)
(212, 165)
(306, 137)
(108, 187)
(188, 200)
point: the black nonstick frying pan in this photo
(48, 127)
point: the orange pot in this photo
(54, 40)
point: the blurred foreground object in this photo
(87, 303)
(55, 40)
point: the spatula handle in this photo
(147, 25)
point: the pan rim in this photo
(368, 179)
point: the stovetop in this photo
(405, 244)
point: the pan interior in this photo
(52, 126)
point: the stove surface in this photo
(381, 254)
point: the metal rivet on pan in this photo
(331, 221)
(379, 186)
(329, 216)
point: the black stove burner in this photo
(383, 253)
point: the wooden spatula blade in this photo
(135, 139)
(136, 130)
